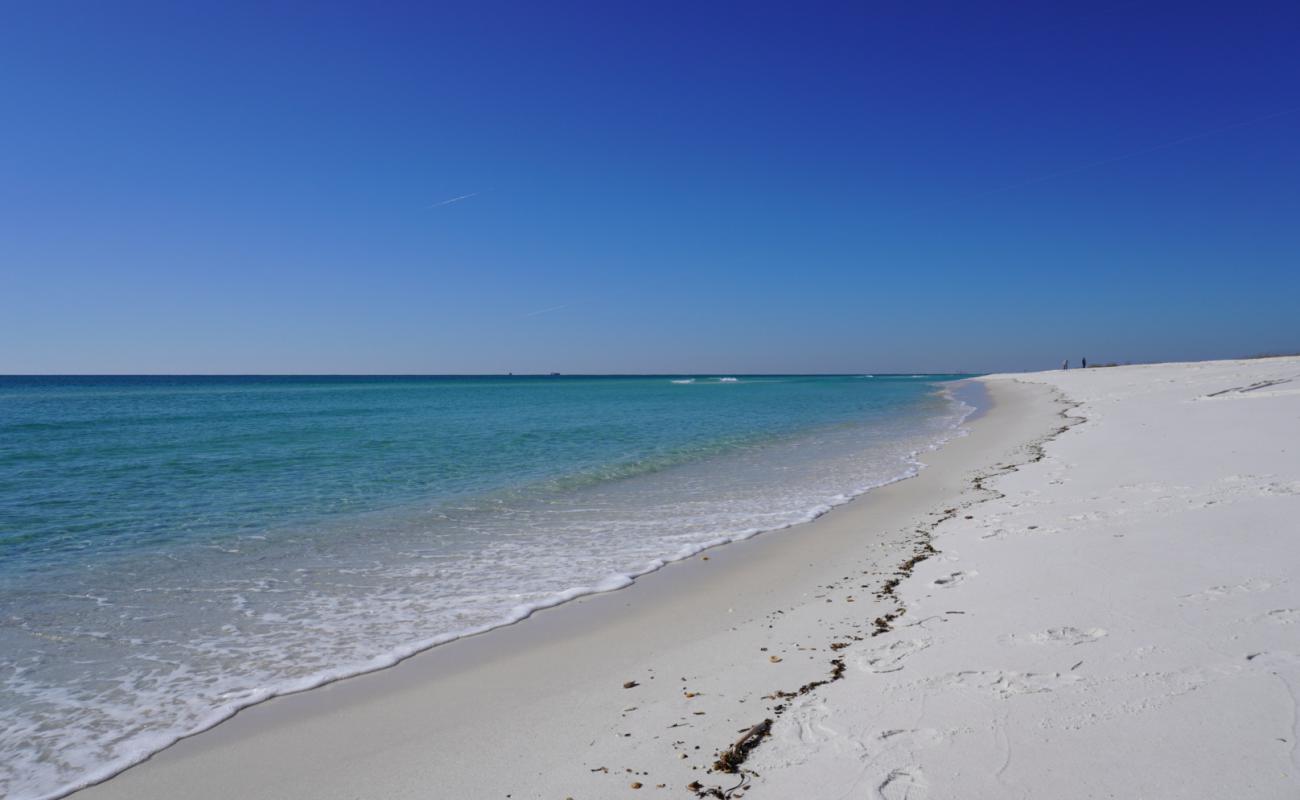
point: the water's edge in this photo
(968, 396)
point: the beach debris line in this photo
(1252, 387)
(837, 672)
(731, 759)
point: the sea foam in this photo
(115, 659)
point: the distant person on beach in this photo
(1083, 363)
(1065, 364)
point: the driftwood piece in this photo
(731, 759)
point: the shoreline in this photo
(1128, 609)
(970, 404)
(480, 677)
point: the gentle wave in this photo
(536, 531)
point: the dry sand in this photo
(1111, 614)
(1131, 606)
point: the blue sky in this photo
(666, 187)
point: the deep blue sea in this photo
(173, 549)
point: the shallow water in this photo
(173, 549)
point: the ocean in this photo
(173, 549)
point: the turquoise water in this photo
(173, 549)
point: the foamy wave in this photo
(82, 763)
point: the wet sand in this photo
(631, 692)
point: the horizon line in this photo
(714, 373)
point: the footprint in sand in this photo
(903, 784)
(812, 716)
(1058, 636)
(910, 738)
(1283, 616)
(1217, 592)
(1008, 683)
(952, 579)
(892, 754)
(1280, 488)
(890, 658)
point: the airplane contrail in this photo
(454, 200)
(547, 310)
(1142, 152)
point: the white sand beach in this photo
(1128, 609)
(1092, 594)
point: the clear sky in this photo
(645, 187)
